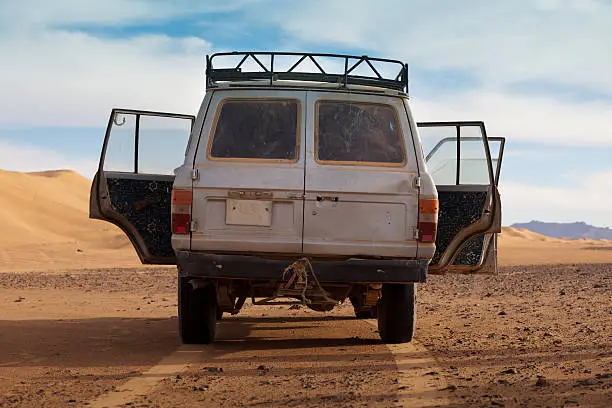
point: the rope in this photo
(298, 280)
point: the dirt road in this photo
(531, 336)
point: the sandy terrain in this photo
(83, 324)
(46, 227)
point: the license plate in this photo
(248, 212)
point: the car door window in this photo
(146, 144)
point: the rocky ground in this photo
(530, 336)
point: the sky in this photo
(535, 71)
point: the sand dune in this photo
(523, 247)
(45, 225)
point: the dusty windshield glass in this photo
(256, 129)
(358, 132)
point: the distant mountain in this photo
(573, 230)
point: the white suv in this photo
(302, 183)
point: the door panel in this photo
(248, 196)
(460, 160)
(360, 195)
(133, 185)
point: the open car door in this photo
(132, 188)
(465, 165)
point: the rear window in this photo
(256, 129)
(358, 132)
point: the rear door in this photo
(360, 193)
(465, 166)
(249, 188)
(132, 187)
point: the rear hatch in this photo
(326, 174)
(249, 173)
(361, 197)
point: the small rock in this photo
(432, 373)
(502, 313)
(450, 388)
(510, 371)
(541, 382)
(562, 292)
(213, 369)
(603, 376)
(295, 307)
(588, 382)
(19, 299)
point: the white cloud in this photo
(69, 78)
(56, 76)
(587, 198)
(518, 117)
(23, 157)
(500, 42)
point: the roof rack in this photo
(253, 66)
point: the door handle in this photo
(327, 198)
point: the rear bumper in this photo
(206, 265)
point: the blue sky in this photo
(536, 71)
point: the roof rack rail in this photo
(262, 67)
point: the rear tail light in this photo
(428, 219)
(181, 211)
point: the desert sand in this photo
(82, 323)
(46, 226)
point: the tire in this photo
(197, 313)
(362, 314)
(397, 313)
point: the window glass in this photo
(141, 143)
(120, 146)
(440, 146)
(358, 132)
(257, 129)
(440, 143)
(474, 166)
(161, 143)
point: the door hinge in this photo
(417, 182)
(193, 226)
(195, 174)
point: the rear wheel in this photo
(197, 313)
(397, 313)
